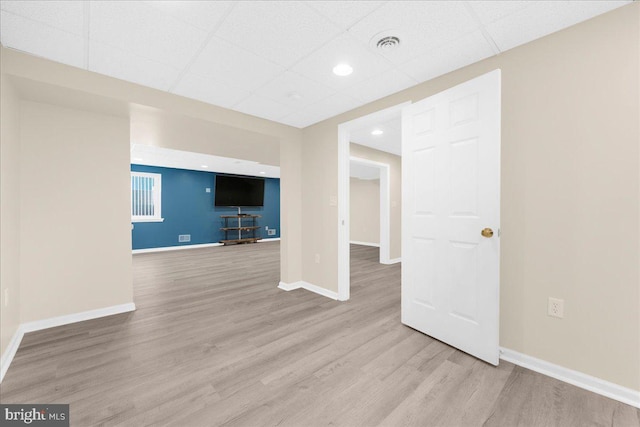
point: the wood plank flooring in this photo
(215, 343)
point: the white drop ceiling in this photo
(388, 121)
(389, 141)
(273, 59)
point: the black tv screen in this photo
(238, 191)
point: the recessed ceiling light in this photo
(262, 172)
(377, 132)
(342, 70)
(204, 166)
(295, 96)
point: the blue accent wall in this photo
(188, 209)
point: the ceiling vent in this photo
(386, 41)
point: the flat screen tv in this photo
(239, 191)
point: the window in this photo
(146, 200)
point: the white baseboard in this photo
(10, 352)
(310, 287)
(52, 322)
(375, 245)
(289, 286)
(391, 261)
(320, 291)
(174, 248)
(177, 248)
(578, 379)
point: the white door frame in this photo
(385, 206)
(344, 133)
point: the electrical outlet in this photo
(207, 190)
(184, 238)
(556, 308)
(271, 232)
(317, 258)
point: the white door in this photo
(451, 193)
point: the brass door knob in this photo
(487, 232)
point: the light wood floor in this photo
(214, 342)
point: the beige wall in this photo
(51, 79)
(570, 183)
(82, 101)
(570, 207)
(319, 189)
(364, 210)
(151, 126)
(570, 196)
(395, 192)
(75, 228)
(9, 213)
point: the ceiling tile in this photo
(592, 8)
(282, 31)
(206, 15)
(42, 40)
(299, 119)
(390, 141)
(123, 65)
(210, 90)
(263, 107)
(490, 11)
(462, 52)
(543, 18)
(63, 15)
(395, 123)
(333, 105)
(226, 63)
(324, 109)
(379, 86)
(294, 90)
(420, 25)
(144, 31)
(344, 48)
(345, 13)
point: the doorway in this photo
(346, 131)
(376, 173)
(450, 144)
